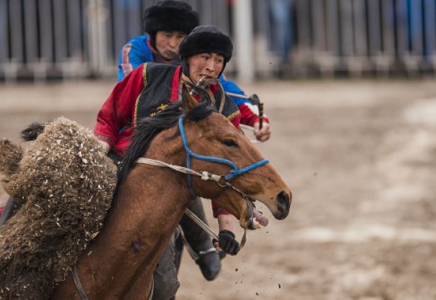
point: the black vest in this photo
(158, 79)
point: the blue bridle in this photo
(234, 172)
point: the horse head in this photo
(253, 178)
(238, 174)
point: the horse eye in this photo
(230, 143)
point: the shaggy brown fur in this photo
(66, 183)
(10, 156)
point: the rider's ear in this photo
(188, 101)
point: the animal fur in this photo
(65, 183)
(10, 156)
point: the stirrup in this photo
(205, 252)
(220, 252)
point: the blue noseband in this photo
(234, 172)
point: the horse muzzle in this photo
(283, 202)
(254, 219)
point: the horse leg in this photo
(209, 260)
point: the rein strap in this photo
(82, 292)
(204, 175)
(78, 284)
(208, 230)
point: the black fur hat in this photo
(170, 15)
(206, 39)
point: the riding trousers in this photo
(166, 283)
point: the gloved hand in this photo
(228, 243)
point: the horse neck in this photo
(148, 207)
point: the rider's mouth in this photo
(208, 79)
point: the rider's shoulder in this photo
(159, 68)
(140, 41)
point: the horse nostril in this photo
(283, 200)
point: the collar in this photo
(175, 84)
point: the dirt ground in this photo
(360, 158)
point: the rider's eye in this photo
(230, 143)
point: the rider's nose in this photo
(210, 67)
(173, 43)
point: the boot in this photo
(179, 251)
(209, 260)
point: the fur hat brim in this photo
(170, 16)
(206, 41)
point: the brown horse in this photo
(151, 200)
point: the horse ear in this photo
(188, 101)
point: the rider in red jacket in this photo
(146, 91)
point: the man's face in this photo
(205, 65)
(167, 43)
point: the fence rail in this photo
(365, 36)
(42, 39)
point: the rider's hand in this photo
(228, 243)
(263, 134)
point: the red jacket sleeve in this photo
(250, 114)
(118, 109)
(218, 210)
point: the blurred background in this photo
(349, 89)
(61, 39)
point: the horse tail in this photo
(32, 132)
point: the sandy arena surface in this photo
(360, 157)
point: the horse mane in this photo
(147, 128)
